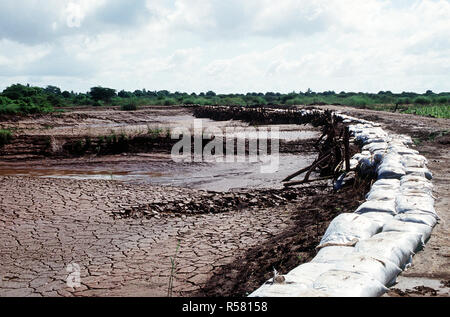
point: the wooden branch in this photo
(306, 168)
(347, 148)
(307, 181)
(315, 165)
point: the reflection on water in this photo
(164, 172)
(81, 174)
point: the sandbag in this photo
(391, 167)
(387, 184)
(379, 193)
(418, 217)
(418, 192)
(397, 247)
(404, 203)
(307, 273)
(376, 146)
(416, 180)
(401, 226)
(419, 171)
(289, 288)
(390, 171)
(380, 217)
(418, 161)
(384, 272)
(347, 229)
(339, 283)
(402, 150)
(332, 254)
(387, 206)
(298, 283)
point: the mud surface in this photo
(108, 216)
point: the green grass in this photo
(5, 137)
(441, 111)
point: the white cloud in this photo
(228, 46)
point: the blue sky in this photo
(227, 46)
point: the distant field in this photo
(433, 111)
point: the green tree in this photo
(102, 94)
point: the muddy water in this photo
(159, 168)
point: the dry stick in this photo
(307, 181)
(315, 165)
(347, 149)
(306, 168)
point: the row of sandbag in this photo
(361, 254)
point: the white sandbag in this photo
(414, 161)
(404, 203)
(415, 180)
(402, 150)
(391, 167)
(378, 193)
(384, 272)
(418, 217)
(376, 146)
(415, 187)
(401, 226)
(347, 229)
(387, 184)
(404, 139)
(298, 282)
(332, 254)
(393, 159)
(311, 292)
(307, 273)
(390, 171)
(349, 284)
(380, 217)
(419, 171)
(289, 288)
(417, 192)
(353, 164)
(387, 206)
(397, 247)
(375, 139)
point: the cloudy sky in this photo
(227, 45)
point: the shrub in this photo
(422, 101)
(357, 101)
(129, 107)
(98, 103)
(5, 137)
(169, 102)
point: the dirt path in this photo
(431, 267)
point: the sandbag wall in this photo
(362, 253)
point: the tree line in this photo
(26, 99)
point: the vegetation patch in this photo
(5, 137)
(438, 111)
